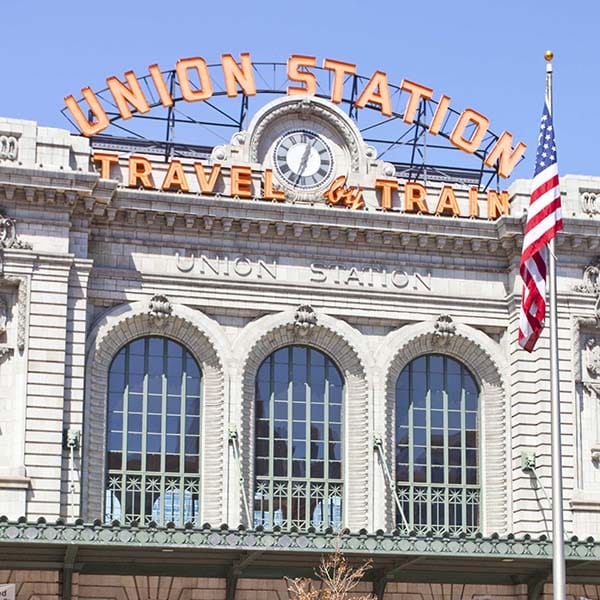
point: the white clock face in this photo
(303, 159)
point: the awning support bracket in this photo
(535, 586)
(68, 567)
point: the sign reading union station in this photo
(301, 147)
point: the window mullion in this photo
(307, 450)
(182, 424)
(125, 435)
(411, 447)
(290, 403)
(143, 470)
(428, 443)
(272, 441)
(290, 443)
(446, 417)
(463, 451)
(163, 432)
(326, 483)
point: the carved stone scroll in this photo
(160, 308)
(8, 234)
(22, 301)
(9, 147)
(305, 318)
(444, 328)
(590, 283)
(590, 202)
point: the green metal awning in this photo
(233, 554)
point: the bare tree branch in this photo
(338, 580)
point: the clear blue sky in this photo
(485, 55)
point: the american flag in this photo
(544, 221)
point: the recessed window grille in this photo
(153, 434)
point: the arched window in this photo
(153, 434)
(298, 449)
(437, 446)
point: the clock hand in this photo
(304, 160)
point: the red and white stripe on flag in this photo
(544, 221)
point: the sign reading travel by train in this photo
(301, 146)
(244, 182)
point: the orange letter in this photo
(414, 194)
(339, 69)
(503, 153)
(355, 200)
(309, 79)
(105, 159)
(467, 117)
(440, 113)
(447, 202)
(160, 85)
(140, 168)
(124, 95)
(241, 182)
(175, 177)
(386, 186)
(187, 93)
(88, 128)
(378, 81)
(497, 204)
(416, 93)
(207, 185)
(473, 202)
(269, 193)
(336, 190)
(234, 74)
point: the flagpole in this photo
(558, 536)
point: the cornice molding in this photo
(105, 202)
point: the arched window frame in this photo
(348, 349)
(486, 360)
(205, 338)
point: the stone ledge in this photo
(14, 482)
(584, 501)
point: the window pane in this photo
(155, 403)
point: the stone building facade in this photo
(239, 285)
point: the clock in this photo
(303, 159)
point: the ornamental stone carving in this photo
(3, 315)
(8, 234)
(22, 285)
(592, 357)
(590, 202)
(5, 348)
(305, 318)
(160, 308)
(9, 147)
(590, 283)
(444, 328)
(591, 383)
(317, 109)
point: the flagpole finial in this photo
(548, 55)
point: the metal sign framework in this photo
(416, 154)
